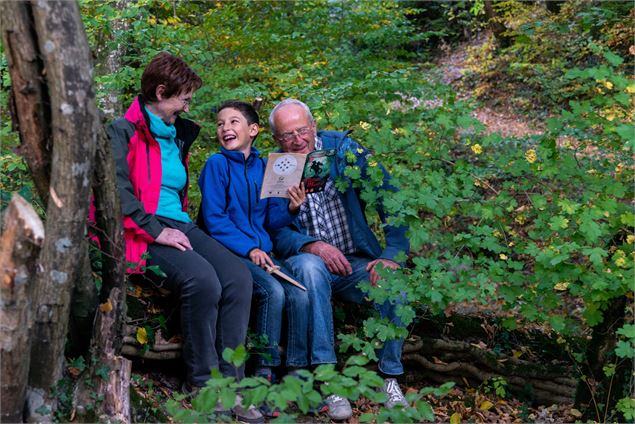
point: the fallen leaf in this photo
(455, 418)
(486, 405)
(575, 413)
(142, 335)
(106, 307)
(137, 292)
(437, 361)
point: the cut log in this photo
(21, 239)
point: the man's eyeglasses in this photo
(186, 102)
(300, 132)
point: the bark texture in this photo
(74, 120)
(21, 239)
(29, 95)
(496, 25)
(109, 321)
(112, 106)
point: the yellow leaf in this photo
(455, 418)
(575, 413)
(561, 286)
(486, 405)
(142, 335)
(517, 353)
(106, 307)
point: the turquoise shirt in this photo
(173, 177)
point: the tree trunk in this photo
(64, 49)
(57, 40)
(20, 243)
(112, 106)
(108, 332)
(495, 24)
(29, 96)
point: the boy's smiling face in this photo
(234, 132)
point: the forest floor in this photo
(155, 382)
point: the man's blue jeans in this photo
(311, 271)
(272, 297)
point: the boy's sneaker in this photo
(250, 414)
(339, 408)
(394, 395)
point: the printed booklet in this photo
(286, 170)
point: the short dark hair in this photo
(172, 72)
(247, 110)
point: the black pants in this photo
(214, 287)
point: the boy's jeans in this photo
(272, 296)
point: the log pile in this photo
(467, 363)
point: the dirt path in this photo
(500, 119)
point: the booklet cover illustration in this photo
(285, 170)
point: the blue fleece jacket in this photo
(231, 209)
(289, 240)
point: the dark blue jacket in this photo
(231, 209)
(289, 240)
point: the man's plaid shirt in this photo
(324, 216)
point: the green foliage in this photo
(496, 385)
(543, 225)
(299, 394)
(546, 45)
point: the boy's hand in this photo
(261, 259)
(296, 197)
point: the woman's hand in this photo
(296, 197)
(261, 259)
(174, 238)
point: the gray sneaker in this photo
(394, 395)
(339, 408)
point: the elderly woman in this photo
(150, 148)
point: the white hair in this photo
(284, 103)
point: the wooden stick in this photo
(276, 271)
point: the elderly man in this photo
(331, 248)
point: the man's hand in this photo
(261, 259)
(387, 263)
(333, 258)
(296, 197)
(174, 238)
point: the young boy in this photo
(233, 214)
